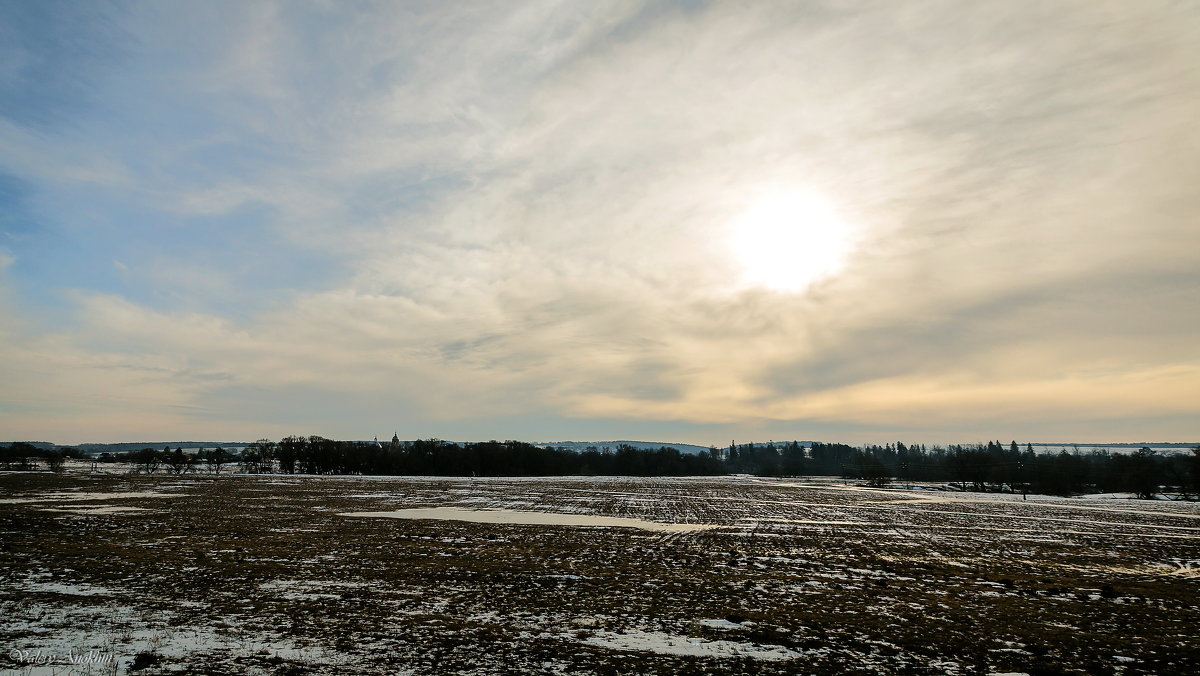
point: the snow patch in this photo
(524, 518)
(670, 644)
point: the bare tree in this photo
(177, 461)
(216, 458)
(148, 459)
(56, 462)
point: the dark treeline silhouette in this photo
(434, 457)
(23, 456)
(981, 467)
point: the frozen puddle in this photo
(517, 517)
(669, 644)
(807, 522)
(308, 589)
(87, 511)
(725, 624)
(35, 586)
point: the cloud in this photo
(470, 213)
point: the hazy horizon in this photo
(1049, 445)
(931, 221)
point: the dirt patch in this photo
(245, 574)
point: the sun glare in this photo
(786, 241)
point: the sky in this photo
(930, 221)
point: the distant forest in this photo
(982, 467)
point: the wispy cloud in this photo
(455, 216)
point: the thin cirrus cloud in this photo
(480, 220)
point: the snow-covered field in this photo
(278, 574)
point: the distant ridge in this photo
(1119, 444)
(579, 446)
(125, 446)
(1167, 447)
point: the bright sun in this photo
(785, 241)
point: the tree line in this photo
(426, 457)
(981, 467)
(19, 456)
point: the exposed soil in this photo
(241, 574)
